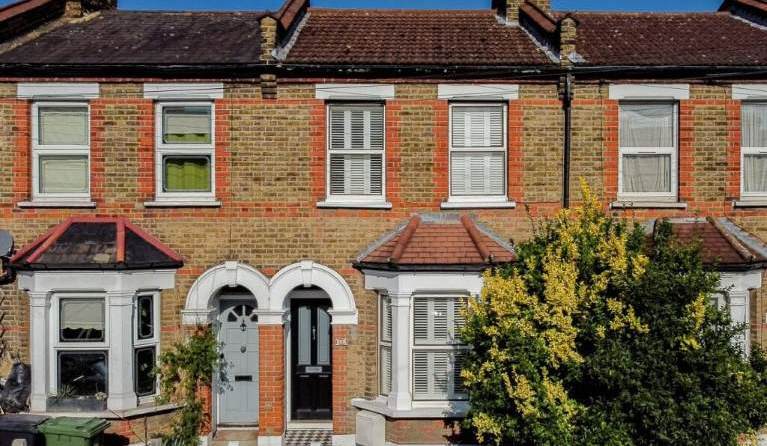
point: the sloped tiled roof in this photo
(682, 39)
(437, 241)
(96, 243)
(412, 37)
(154, 38)
(724, 245)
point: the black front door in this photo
(311, 359)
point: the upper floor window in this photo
(478, 152)
(754, 149)
(185, 151)
(60, 151)
(438, 352)
(648, 151)
(356, 147)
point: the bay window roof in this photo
(96, 243)
(444, 242)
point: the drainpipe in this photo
(567, 99)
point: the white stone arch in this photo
(305, 274)
(199, 308)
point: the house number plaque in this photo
(342, 341)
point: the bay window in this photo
(754, 149)
(185, 151)
(437, 348)
(478, 152)
(648, 151)
(145, 345)
(356, 153)
(60, 151)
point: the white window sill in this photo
(750, 203)
(182, 204)
(147, 409)
(355, 204)
(478, 205)
(56, 204)
(451, 409)
(641, 204)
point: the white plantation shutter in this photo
(385, 345)
(437, 355)
(386, 318)
(385, 369)
(478, 151)
(356, 145)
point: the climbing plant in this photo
(185, 371)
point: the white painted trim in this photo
(736, 286)
(649, 91)
(56, 204)
(749, 91)
(456, 409)
(478, 205)
(185, 90)
(199, 307)
(182, 204)
(646, 204)
(57, 90)
(373, 204)
(369, 92)
(481, 92)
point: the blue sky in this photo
(244, 5)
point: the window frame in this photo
(448, 346)
(163, 149)
(61, 150)
(69, 342)
(57, 361)
(673, 152)
(505, 150)
(329, 151)
(384, 305)
(745, 151)
(140, 344)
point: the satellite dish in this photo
(6, 243)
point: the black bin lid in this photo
(21, 422)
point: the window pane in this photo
(63, 174)
(63, 125)
(356, 174)
(477, 173)
(356, 128)
(431, 380)
(145, 317)
(647, 125)
(477, 126)
(754, 124)
(84, 373)
(82, 320)
(385, 369)
(186, 125)
(755, 173)
(145, 378)
(386, 319)
(646, 173)
(186, 174)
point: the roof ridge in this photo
(471, 228)
(742, 251)
(404, 10)
(404, 239)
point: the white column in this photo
(121, 391)
(739, 311)
(39, 311)
(400, 397)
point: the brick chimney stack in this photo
(510, 8)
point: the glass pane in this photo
(357, 127)
(647, 125)
(385, 369)
(145, 379)
(304, 335)
(477, 126)
(63, 125)
(754, 117)
(63, 174)
(755, 173)
(646, 173)
(356, 174)
(82, 373)
(82, 320)
(477, 173)
(186, 125)
(323, 337)
(145, 310)
(186, 174)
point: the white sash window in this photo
(438, 352)
(356, 153)
(648, 151)
(754, 149)
(61, 151)
(478, 152)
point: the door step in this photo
(234, 443)
(239, 434)
(306, 437)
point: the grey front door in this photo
(238, 333)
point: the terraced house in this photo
(325, 187)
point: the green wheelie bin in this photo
(69, 431)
